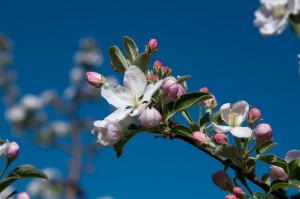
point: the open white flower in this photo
(131, 99)
(234, 117)
(272, 16)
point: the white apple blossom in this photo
(234, 117)
(272, 16)
(131, 99)
(3, 148)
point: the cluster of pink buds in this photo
(160, 70)
(237, 193)
(172, 89)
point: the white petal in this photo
(219, 128)
(224, 112)
(135, 80)
(241, 132)
(116, 95)
(99, 123)
(241, 108)
(139, 110)
(150, 90)
(292, 155)
(117, 115)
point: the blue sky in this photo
(215, 42)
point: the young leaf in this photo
(204, 119)
(23, 171)
(186, 101)
(227, 151)
(183, 79)
(295, 24)
(266, 179)
(119, 62)
(265, 147)
(182, 130)
(294, 169)
(120, 145)
(131, 49)
(273, 160)
(142, 61)
(258, 195)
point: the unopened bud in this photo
(254, 115)
(170, 88)
(12, 151)
(150, 118)
(204, 90)
(199, 137)
(181, 90)
(153, 78)
(211, 103)
(263, 133)
(220, 138)
(152, 44)
(230, 196)
(157, 64)
(239, 193)
(277, 172)
(222, 180)
(95, 79)
(23, 195)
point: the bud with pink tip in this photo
(199, 137)
(220, 138)
(277, 172)
(254, 115)
(152, 44)
(263, 133)
(204, 90)
(12, 151)
(167, 71)
(150, 117)
(239, 193)
(222, 180)
(211, 103)
(230, 196)
(170, 88)
(157, 64)
(23, 195)
(95, 79)
(152, 78)
(181, 90)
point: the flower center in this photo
(233, 119)
(279, 11)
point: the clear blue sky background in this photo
(214, 41)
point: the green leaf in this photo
(120, 145)
(294, 169)
(250, 163)
(265, 147)
(142, 61)
(183, 78)
(258, 195)
(183, 131)
(273, 160)
(186, 101)
(242, 179)
(295, 24)
(194, 127)
(131, 49)
(119, 62)
(266, 179)
(23, 171)
(205, 119)
(227, 151)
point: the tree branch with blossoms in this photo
(150, 100)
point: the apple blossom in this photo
(220, 138)
(277, 172)
(134, 97)
(171, 89)
(222, 180)
(234, 117)
(108, 132)
(12, 151)
(150, 117)
(263, 133)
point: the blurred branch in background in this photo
(30, 114)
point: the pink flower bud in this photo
(153, 78)
(222, 180)
(150, 118)
(220, 138)
(12, 151)
(158, 64)
(199, 137)
(277, 172)
(254, 115)
(167, 69)
(230, 196)
(238, 191)
(95, 79)
(263, 133)
(153, 44)
(170, 88)
(211, 103)
(181, 90)
(23, 195)
(204, 90)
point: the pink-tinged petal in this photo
(135, 80)
(241, 108)
(221, 129)
(150, 90)
(224, 112)
(116, 116)
(116, 95)
(99, 123)
(292, 155)
(241, 132)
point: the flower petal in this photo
(116, 95)
(224, 112)
(135, 80)
(116, 116)
(241, 108)
(241, 132)
(150, 90)
(292, 155)
(219, 128)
